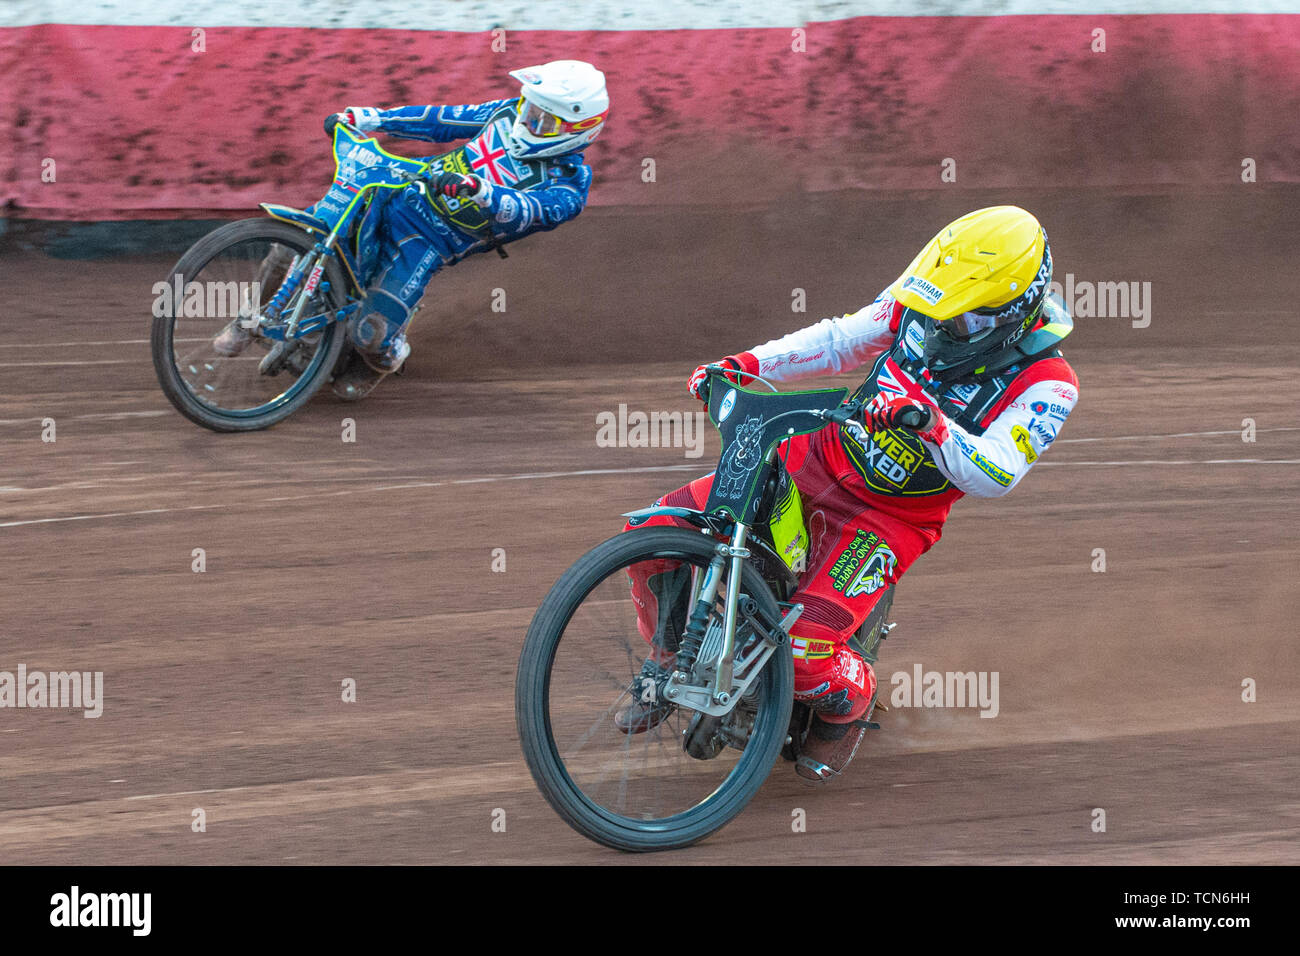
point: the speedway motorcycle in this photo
(722, 671)
(290, 280)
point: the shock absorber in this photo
(284, 293)
(693, 638)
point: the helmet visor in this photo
(542, 122)
(538, 121)
(968, 325)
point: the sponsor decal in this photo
(1038, 408)
(815, 692)
(507, 209)
(962, 394)
(929, 292)
(1065, 392)
(1026, 445)
(914, 340)
(313, 277)
(417, 277)
(359, 155)
(728, 403)
(1019, 306)
(983, 464)
(892, 458)
(894, 461)
(794, 358)
(864, 567)
(797, 548)
(797, 359)
(811, 648)
(1044, 429)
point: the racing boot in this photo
(366, 370)
(232, 340)
(828, 748)
(840, 689)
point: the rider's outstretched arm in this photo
(1023, 426)
(435, 124)
(516, 212)
(831, 346)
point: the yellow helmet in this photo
(985, 272)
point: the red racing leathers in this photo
(874, 508)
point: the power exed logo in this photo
(76, 909)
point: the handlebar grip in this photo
(912, 418)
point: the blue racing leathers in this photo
(406, 236)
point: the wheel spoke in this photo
(646, 775)
(611, 758)
(235, 271)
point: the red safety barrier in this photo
(129, 122)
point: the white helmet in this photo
(562, 109)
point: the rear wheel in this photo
(583, 665)
(229, 274)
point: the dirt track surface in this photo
(326, 561)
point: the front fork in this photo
(729, 557)
(313, 267)
(737, 553)
(316, 264)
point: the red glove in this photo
(698, 383)
(887, 411)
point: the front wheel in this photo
(215, 372)
(589, 661)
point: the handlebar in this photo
(848, 412)
(845, 414)
(841, 415)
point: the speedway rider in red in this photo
(967, 336)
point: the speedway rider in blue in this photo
(520, 171)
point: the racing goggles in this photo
(539, 122)
(969, 325)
